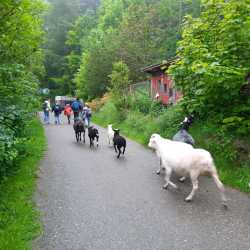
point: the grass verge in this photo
(233, 165)
(19, 220)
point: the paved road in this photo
(91, 200)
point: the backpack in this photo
(57, 108)
(45, 107)
(89, 112)
(75, 106)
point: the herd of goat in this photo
(177, 155)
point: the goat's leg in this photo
(159, 170)
(220, 187)
(182, 179)
(123, 150)
(97, 141)
(119, 149)
(80, 135)
(194, 180)
(167, 179)
(83, 136)
(76, 136)
(115, 148)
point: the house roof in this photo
(160, 67)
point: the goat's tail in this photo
(219, 185)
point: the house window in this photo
(165, 88)
(170, 92)
(159, 85)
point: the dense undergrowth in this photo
(231, 153)
(18, 218)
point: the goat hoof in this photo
(158, 172)
(225, 206)
(165, 186)
(182, 179)
(188, 199)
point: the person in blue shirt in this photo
(76, 107)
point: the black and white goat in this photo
(93, 134)
(79, 130)
(182, 135)
(119, 142)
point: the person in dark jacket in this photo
(57, 111)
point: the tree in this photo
(119, 84)
(138, 32)
(214, 59)
(59, 21)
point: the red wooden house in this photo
(162, 87)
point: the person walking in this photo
(86, 115)
(76, 107)
(68, 112)
(46, 110)
(57, 111)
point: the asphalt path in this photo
(90, 200)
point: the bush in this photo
(143, 103)
(18, 100)
(12, 138)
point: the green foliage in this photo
(19, 222)
(235, 123)
(21, 37)
(142, 102)
(119, 84)
(213, 59)
(231, 153)
(66, 26)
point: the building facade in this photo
(162, 87)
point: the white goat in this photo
(185, 160)
(110, 134)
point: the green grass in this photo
(233, 171)
(19, 219)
